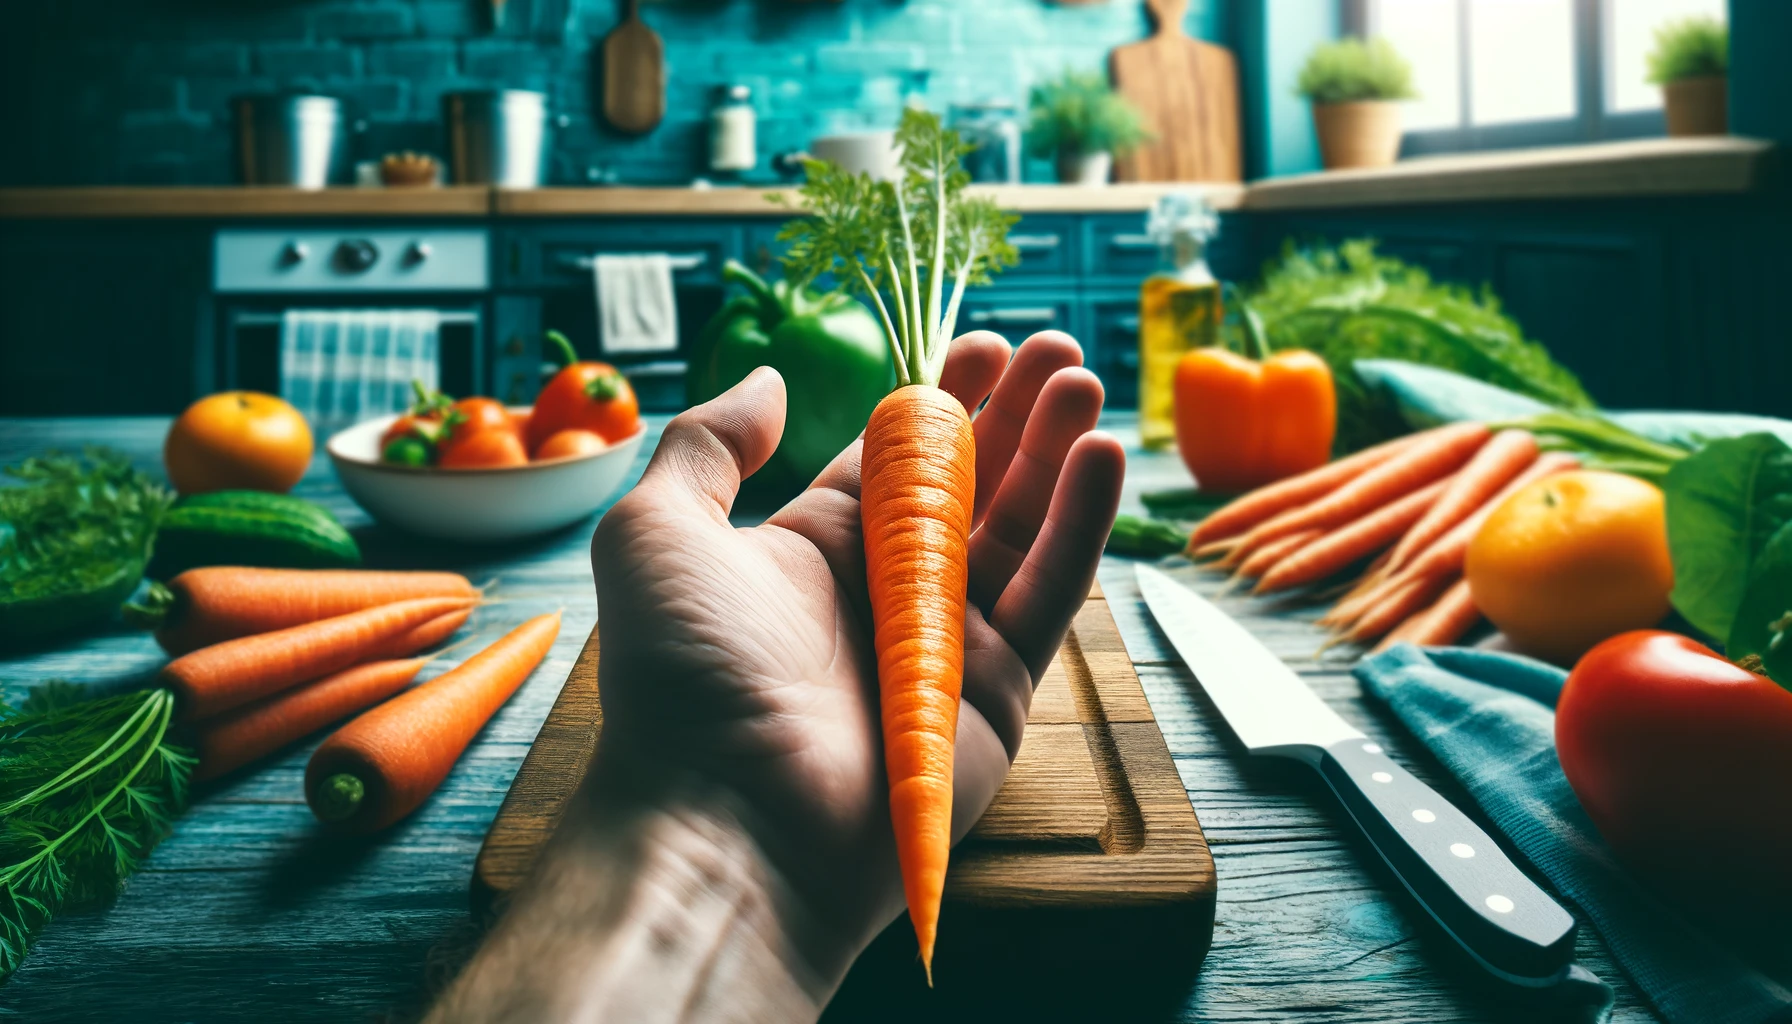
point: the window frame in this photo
(1591, 122)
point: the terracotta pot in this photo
(1362, 133)
(1085, 168)
(1697, 106)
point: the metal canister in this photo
(288, 139)
(497, 137)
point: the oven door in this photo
(249, 339)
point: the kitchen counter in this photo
(249, 912)
(1646, 167)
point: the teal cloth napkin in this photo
(1489, 718)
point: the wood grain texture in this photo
(1187, 92)
(634, 61)
(248, 914)
(243, 201)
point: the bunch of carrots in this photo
(1404, 510)
(266, 656)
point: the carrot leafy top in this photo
(902, 239)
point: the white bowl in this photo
(502, 503)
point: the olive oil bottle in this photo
(1179, 309)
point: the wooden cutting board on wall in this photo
(1188, 93)
(634, 60)
(1090, 853)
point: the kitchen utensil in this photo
(874, 153)
(288, 139)
(1090, 852)
(1187, 91)
(480, 505)
(1457, 873)
(634, 74)
(497, 137)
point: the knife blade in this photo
(1456, 871)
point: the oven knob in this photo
(417, 253)
(294, 253)
(356, 255)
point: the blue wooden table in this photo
(248, 913)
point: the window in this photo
(1496, 73)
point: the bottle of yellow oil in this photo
(1179, 309)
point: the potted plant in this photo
(1082, 123)
(1691, 63)
(1355, 88)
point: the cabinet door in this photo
(99, 320)
(1017, 315)
(1114, 341)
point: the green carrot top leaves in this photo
(902, 240)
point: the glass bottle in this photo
(733, 130)
(1179, 309)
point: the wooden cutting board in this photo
(1187, 91)
(1090, 853)
(634, 74)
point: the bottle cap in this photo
(1181, 213)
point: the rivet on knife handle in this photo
(1453, 868)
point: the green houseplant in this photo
(1355, 87)
(1082, 123)
(1691, 63)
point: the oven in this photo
(261, 277)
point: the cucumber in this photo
(250, 528)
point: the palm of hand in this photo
(742, 657)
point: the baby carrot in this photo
(1272, 554)
(235, 672)
(1239, 515)
(201, 607)
(1508, 454)
(1406, 600)
(384, 764)
(1335, 551)
(1444, 623)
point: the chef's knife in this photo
(1450, 866)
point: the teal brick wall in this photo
(136, 91)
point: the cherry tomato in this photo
(567, 443)
(477, 415)
(1680, 758)
(484, 450)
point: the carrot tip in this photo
(339, 797)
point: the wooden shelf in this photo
(748, 202)
(237, 201)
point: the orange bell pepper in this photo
(1245, 422)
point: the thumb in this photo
(706, 451)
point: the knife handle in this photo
(1454, 869)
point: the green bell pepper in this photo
(831, 351)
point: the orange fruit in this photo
(487, 449)
(1571, 560)
(237, 440)
(565, 443)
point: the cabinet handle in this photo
(1129, 324)
(1132, 242)
(1015, 315)
(681, 261)
(1034, 243)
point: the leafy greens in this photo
(1725, 503)
(901, 239)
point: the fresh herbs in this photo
(902, 239)
(1351, 303)
(1351, 70)
(1689, 48)
(1078, 113)
(1730, 534)
(74, 539)
(86, 791)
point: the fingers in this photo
(1067, 407)
(1000, 426)
(974, 363)
(706, 451)
(1037, 605)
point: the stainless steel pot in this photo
(498, 137)
(288, 139)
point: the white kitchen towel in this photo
(635, 309)
(341, 366)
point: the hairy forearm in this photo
(645, 909)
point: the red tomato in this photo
(1681, 759)
(484, 450)
(478, 415)
(568, 443)
(585, 396)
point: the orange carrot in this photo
(919, 480)
(1239, 515)
(201, 607)
(1407, 599)
(384, 764)
(1354, 542)
(426, 635)
(253, 731)
(1435, 455)
(1444, 623)
(1508, 454)
(1270, 555)
(235, 672)
(1212, 548)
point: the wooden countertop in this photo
(1646, 167)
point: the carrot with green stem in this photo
(1240, 515)
(384, 764)
(1507, 454)
(1344, 547)
(918, 471)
